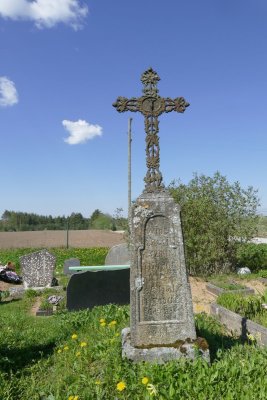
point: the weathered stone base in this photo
(160, 355)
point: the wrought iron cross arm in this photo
(179, 104)
(123, 104)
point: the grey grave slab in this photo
(37, 269)
(70, 262)
(89, 289)
(118, 255)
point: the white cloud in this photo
(80, 131)
(45, 13)
(8, 92)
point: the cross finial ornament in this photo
(151, 105)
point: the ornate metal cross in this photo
(151, 105)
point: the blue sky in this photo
(64, 62)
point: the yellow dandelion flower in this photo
(98, 382)
(103, 324)
(71, 398)
(74, 336)
(83, 344)
(59, 351)
(199, 308)
(145, 380)
(121, 386)
(102, 320)
(76, 398)
(78, 354)
(117, 334)
(112, 323)
(251, 337)
(66, 348)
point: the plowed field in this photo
(85, 238)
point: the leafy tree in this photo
(120, 222)
(103, 221)
(216, 217)
(77, 221)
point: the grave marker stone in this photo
(89, 289)
(37, 269)
(70, 262)
(118, 255)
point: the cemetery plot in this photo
(246, 315)
(224, 284)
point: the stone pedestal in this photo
(161, 301)
(159, 355)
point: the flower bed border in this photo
(238, 324)
(44, 313)
(217, 290)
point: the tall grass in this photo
(79, 354)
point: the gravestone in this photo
(37, 269)
(70, 262)
(89, 289)
(162, 321)
(118, 255)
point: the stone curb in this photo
(238, 324)
(217, 290)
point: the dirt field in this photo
(85, 238)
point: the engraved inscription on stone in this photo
(37, 269)
(160, 297)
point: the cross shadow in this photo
(217, 341)
(5, 302)
(16, 359)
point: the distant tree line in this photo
(13, 221)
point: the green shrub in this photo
(253, 256)
(214, 212)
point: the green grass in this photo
(226, 282)
(247, 306)
(42, 360)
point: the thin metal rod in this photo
(129, 170)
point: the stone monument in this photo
(37, 269)
(162, 321)
(118, 255)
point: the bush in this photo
(253, 256)
(215, 215)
